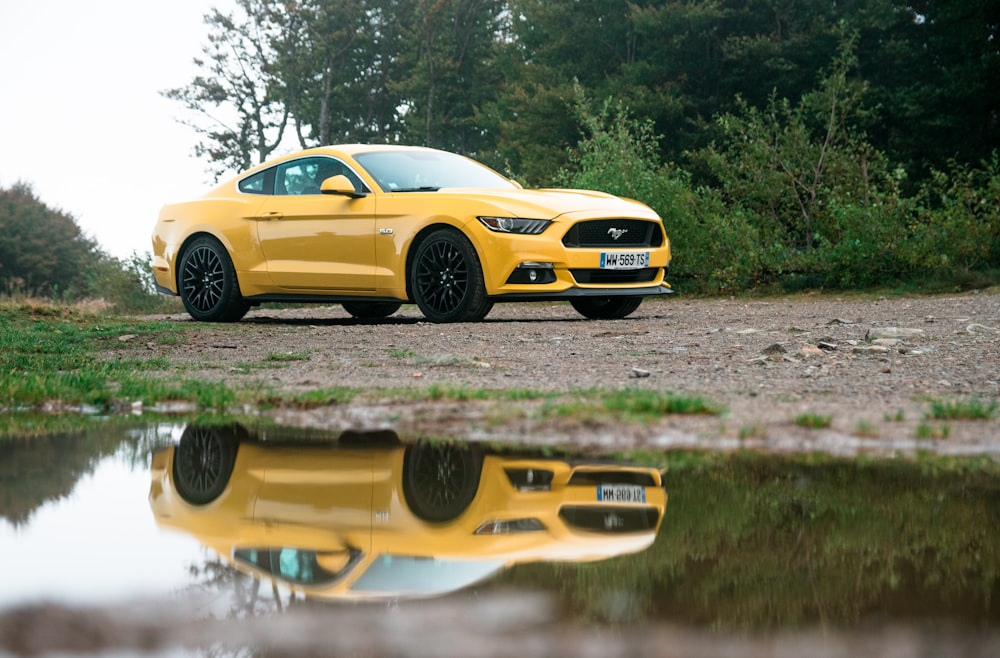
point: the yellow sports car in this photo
(373, 227)
(368, 518)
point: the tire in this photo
(207, 283)
(447, 279)
(203, 463)
(440, 480)
(605, 308)
(371, 310)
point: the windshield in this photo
(398, 574)
(428, 171)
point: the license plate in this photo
(621, 493)
(624, 260)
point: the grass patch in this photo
(865, 429)
(284, 357)
(814, 421)
(402, 353)
(971, 409)
(322, 397)
(755, 431)
(928, 431)
(632, 404)
(897, 417)
(52, 354)
(439, 392)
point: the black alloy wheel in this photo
(371, 310)
(447, 280)
(203, 462)
(208, 285)
(440, 480)
(605, 308)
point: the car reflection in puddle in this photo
(369, 517)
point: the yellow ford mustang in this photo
(373, 227)
(378, 519)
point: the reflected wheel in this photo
(440, 480)
(203, 462)
(605, 308)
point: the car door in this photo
(313, 241)
(307, 493)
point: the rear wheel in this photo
(440, 480)
(207, 282)
(371, 310)
(447, 279)
(605, 308)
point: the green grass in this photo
(971, 409)
(897, 417)
(53, 354)
(865, 429)
(632, 404)
(814, 421)
(927, 431)
(284, 357)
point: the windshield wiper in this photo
(425, 188)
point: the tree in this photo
(448, 53)
(238, 115)
(42, 250)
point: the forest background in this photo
(787, 144)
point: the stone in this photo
(893, 332)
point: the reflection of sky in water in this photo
(99, 545)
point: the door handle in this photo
(273, 215)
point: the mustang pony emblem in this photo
(616, 233)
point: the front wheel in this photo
(371, 310)
(447, 280)
(605, 308)
(208, 285)
(440, 480)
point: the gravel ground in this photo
(766, 361)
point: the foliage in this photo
(42, 250)
(971, 409)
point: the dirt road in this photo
(873, 367)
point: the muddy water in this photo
(262, 522)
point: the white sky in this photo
(81, 115)
(99, 545)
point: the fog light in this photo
(529, 479)
(504, 527)
(532, 272)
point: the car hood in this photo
(549, 204)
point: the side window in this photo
(306, 175)
(254, 184)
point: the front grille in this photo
(600, 232)
(610, 519)
(615, 276)
(591, 478)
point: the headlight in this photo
(505, 527)
(515, 225)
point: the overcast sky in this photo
(81, 116)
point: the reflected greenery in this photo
(754, 542)
(43, 469)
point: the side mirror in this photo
(340, 184)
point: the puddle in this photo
(384, 535)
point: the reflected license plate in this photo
(624, 260)
(621, 493)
